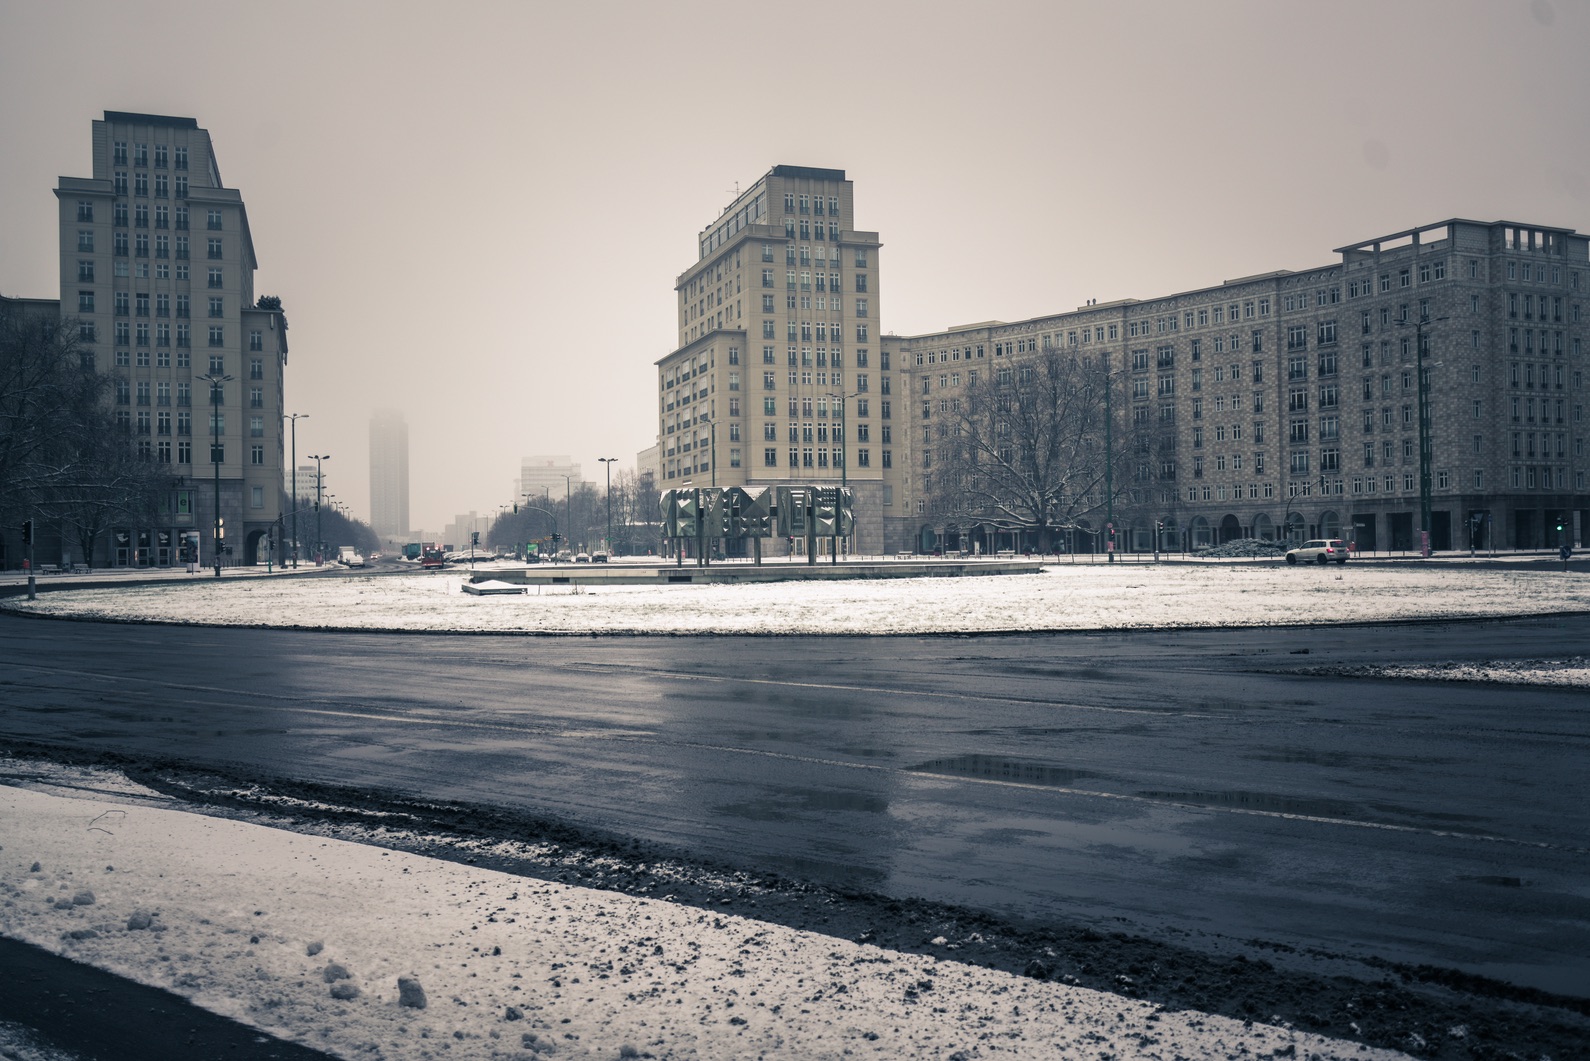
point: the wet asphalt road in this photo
(1151, 782)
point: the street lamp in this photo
(844, 464)
(295, 417)
(608, 462)
(712, 445)
(568, 510)
(215, 380)
(1109, 463)
(317, 458)
(1425, 443)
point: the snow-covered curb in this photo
(271, 927)
(1090, 597)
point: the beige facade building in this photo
(1283, 404)
(778, 376)
(1289, 403)
(157, 272)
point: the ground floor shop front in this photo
(1467, 523)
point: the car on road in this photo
(1321, 551)
(599, 557)
(582, 558)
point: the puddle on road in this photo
(1260, 801)
(1001, 768)
(803, 804)
(1495, 881)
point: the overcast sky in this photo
(474, 212)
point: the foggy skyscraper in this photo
(389, 474)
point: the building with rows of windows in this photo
(777, 377)
(1288, 403)
(1284, 404)
(157, 274)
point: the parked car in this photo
(1321, 551)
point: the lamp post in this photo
(568, 503)
(215, 380)
(1109, 464)
(1425, 442)
(608, 467)
(712, 445)
(844, 465)
(295, 417)
(317, 458)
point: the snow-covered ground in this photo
(309, 938)
(1092, 596)
(362, 952)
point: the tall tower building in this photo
(778, 376)
(389, 474)
(157, 270)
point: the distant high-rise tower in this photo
(389, 474)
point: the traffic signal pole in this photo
(27, 536)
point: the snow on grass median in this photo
(1091, 597)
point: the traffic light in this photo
(220, 528)
(27, 532)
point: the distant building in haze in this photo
(548, 476)
(389, 474)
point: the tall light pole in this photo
(1109, 464)
(295, 417)
(844, 465)
(317, 458)
(608, 462)
(215, 380)
(1425, 442)
(568, 503)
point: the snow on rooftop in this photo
(310, 938)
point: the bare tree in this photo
(49, 398)
(63, 455)
(1024, 448)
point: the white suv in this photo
(1321, 551)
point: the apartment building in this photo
(157, 274)
(777, 376)
(551, 476)
(1291, 403)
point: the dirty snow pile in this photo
(1573, 671)
(1083, 597)
(363, 952)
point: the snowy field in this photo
(362, 952)
(1090, 597)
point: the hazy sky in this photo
(474, 212)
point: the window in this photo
(214, 280)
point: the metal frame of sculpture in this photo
(802, 511)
